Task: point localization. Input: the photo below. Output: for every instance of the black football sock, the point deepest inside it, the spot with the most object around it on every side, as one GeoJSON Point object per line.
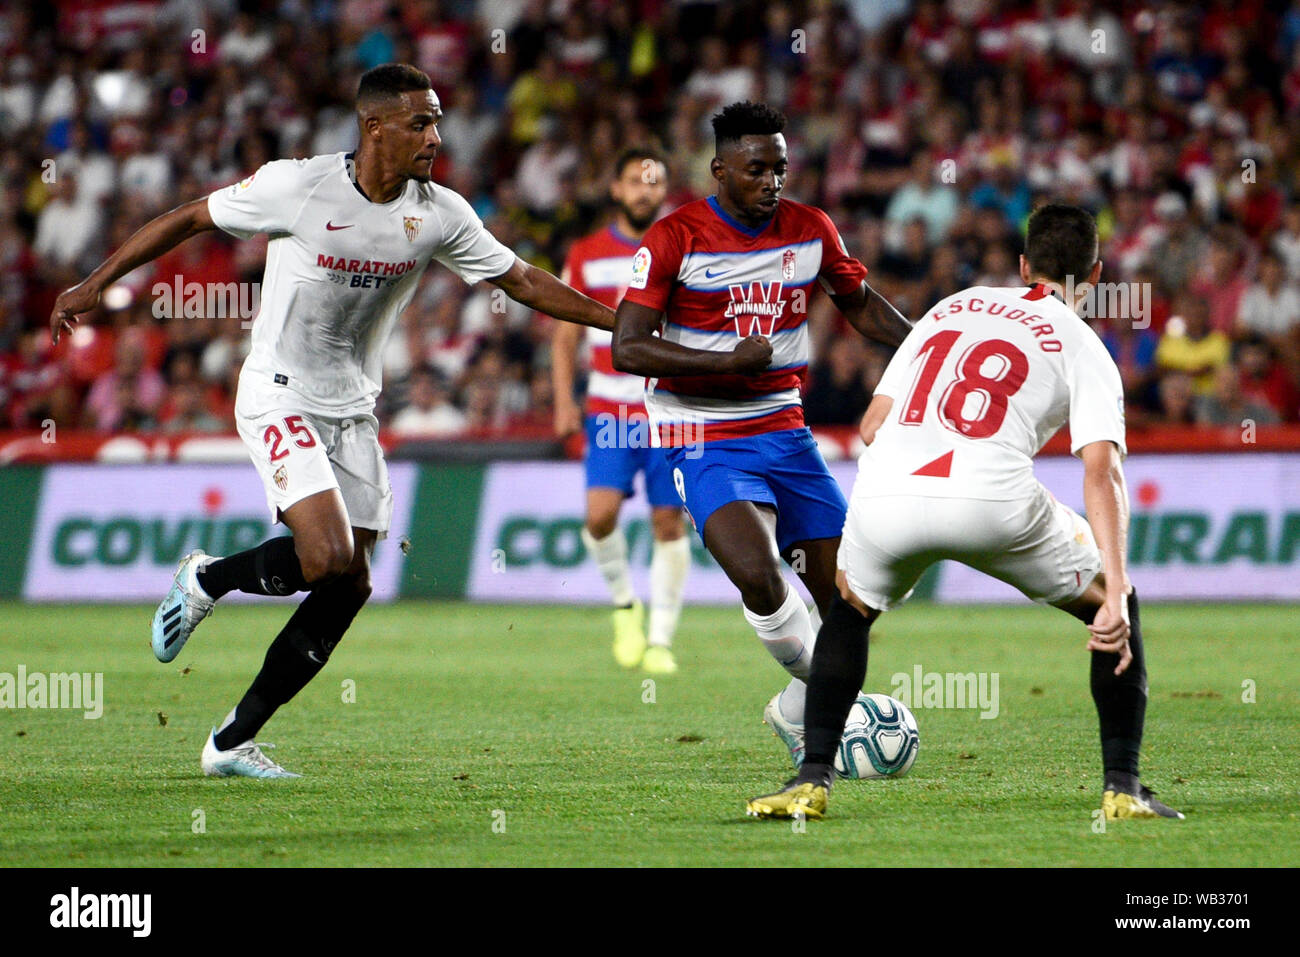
{"type": "Point", "coordinates": [271, 568]}
{"type": "Point", "coordinates": [1121, 700]}
{"type": "Point", "coordinates": [296, 656]}
{"type": "Point", "coordinates": [839, 667]}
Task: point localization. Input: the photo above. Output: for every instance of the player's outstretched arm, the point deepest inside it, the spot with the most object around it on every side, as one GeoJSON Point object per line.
{"type": "Point", "coordinates": [871, 314]}
{"type": "Point", "coordinates": [1105, 496]}
{"type": "Point", "coordinates": [148, 243]}
{"type": "Point", "coordinates": [637, 350]}
{"type": "Point", "coordinates": [564, 352]}
{"type": "Point", "coordinates": [539, 290]}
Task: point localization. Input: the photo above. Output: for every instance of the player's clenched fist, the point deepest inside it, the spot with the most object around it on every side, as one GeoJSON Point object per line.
{"type": "Point", "coordinates": [751, 355]}
{"type": "Point", "coordinates": [70, 304]}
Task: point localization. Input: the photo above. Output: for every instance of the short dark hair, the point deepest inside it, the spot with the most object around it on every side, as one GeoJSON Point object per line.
{"type": "Point", "coordinates": [1061, 243]}
{"type": "Point", "coordinates": [637, 154]}
{"type": "Point", "coordinates": [745, 119]}
{"type": "Point", "coordinates": [391, 79]}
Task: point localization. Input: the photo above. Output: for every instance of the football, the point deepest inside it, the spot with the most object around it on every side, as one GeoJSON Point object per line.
{"type": "Point", "coordinates": [880, 739]}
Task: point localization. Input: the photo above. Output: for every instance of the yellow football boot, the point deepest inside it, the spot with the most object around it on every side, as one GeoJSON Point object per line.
{"type": "Point", "coordinates": [659, 660]}
{"type": "Point", "coordinates": [1123, 797]}
{"type": "Point", "coordinates": [807, 800]}
{"type": "Point", "coordinates": [629, 634]}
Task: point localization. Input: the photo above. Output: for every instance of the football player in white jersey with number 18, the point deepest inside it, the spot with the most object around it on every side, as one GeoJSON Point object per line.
{"type": "Point", "coordinates": [984, 379]}
{"type": "Point", "coordinates": [350, 236]}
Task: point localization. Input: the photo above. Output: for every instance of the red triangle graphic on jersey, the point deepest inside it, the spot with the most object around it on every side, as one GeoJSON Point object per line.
{"type": "Point", "coordinates": [939, 468]}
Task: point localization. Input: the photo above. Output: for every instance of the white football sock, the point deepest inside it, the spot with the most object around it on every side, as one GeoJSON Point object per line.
{"type": "Point", "coordinates": [787, 634]}
{"type": "Point", "coordinates": [792, 699]}
{"type": "Point", "coordinates": [669, 562]}
{"type": "Point", "coordinates": [610, 554]}
{"type": "Point", "coordinates": [227, 723]}
{"type": "Point", "coordinates": [795, 694]}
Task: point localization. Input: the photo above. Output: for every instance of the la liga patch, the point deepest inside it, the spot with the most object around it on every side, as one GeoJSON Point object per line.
{"type": "Point", "coordinates": [640, 268]}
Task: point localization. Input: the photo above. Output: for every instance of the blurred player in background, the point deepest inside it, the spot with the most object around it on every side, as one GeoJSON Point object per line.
{"type": "Point", "coordinates": [984, 380]}
{"type": "Point", "coordinates": [715, 317]}
{"type": "Point", "coordinates": [618, 433]}
{"type": "Point", "coordinates": [350, 236]}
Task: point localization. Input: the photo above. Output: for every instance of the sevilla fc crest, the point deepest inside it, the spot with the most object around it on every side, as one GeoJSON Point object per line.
{"type": "Point", "coordinates": [787, 264]}
{"type": "Point", "coordinates": [412, 226]}
{"type": "Point", "coordinates": [281, 478]}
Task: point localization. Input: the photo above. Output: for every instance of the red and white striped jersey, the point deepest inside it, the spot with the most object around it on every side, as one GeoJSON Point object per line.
{"type": "Point", "coordinates": [599, 266]}
{"type": "Point", "coordinates": [718, 281]}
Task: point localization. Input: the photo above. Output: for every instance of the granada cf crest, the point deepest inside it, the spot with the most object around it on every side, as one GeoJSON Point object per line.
{"type": "Point", "coordinates": [281, 478]}
{"type": "Point", "coordinates": [412, 226]}
{"type": "Point", "coordinates": [787, 264]}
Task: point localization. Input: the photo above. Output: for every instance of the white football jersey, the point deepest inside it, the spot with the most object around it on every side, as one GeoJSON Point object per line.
{"type": "Point", "coordinates": [982, 381]}
{"type": "Point", "coordinates": [340, 270]}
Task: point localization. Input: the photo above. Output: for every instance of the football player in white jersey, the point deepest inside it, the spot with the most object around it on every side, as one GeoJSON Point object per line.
{"type": "Point", "coordinates": [350, 236]}
{"type": "Point", "coordinates": [984, 379]}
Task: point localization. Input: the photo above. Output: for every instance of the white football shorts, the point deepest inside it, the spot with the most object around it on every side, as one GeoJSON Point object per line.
{"type": "Point", "coordinates": [298, 454]}
{"type": "Point", "coordinates": [1037, 544]}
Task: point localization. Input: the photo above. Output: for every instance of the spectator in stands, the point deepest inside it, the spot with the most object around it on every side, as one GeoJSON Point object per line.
{"type": "Point", "coordinates": [1177, 400]}
{"type": "Point", "coordinates": [715, 83]}
{"type": "Point", "coordinates": [95, 170]}
{"type": "Point", "coordinates": [68, 224]}
{"type": "Point", "coordinates": [1134, 351]}
{"type": "Point", "coordinates": [186, 410]}
{"type": "Point", "coordinates": [1264, 379]}
{"type": "Point", "coordinates": [536, 93]}
{"type": "Point", "coordinates": [1286, 241]}
{"type": "Point", "coordinates": [909, 259]}
{"type": "Point", "coordinates": [1190, 346]}
{"type": "Point", "coordinates": [836, 395]}
{"type": "Point", "coordinates": [127, 396]}
{"type": "Point", "coordinates": [1182, 250]}
{"type": "Point", "coordinates": [429, 412]}
{"type": "Point", "coordinates": [544, 166]}
{"type": "Point", "coordinates": [468, 130]}
{"type": "Point", "coordinates": [1271, 306]}
{"type": "Point", "coordinates": [1227, 405]}
{"type": "Point", "coordinates": [924, 198]}
{"type": "Point", "coordinates": [35, 384]}
{"type": "Point", "coordinates": [1220, 281]}
{"type": "Point", "coordinates": [244, 44]}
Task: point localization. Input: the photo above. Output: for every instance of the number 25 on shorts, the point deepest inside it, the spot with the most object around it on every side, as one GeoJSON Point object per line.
{"type": "Point", "coordinates": [303, 437]}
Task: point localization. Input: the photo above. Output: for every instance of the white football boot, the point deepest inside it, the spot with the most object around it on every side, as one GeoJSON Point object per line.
{"type": "Point", "coordinates": [791, 735]}
{"type": "Point", "coordinates": [243, 761]}
{"type": "Point", "coordinates": [185, 606]}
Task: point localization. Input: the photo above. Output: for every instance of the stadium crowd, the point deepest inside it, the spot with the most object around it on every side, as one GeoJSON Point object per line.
{"type": "Point", "coordinates": [927, 129]}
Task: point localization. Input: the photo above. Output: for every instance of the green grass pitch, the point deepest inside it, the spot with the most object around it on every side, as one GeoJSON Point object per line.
{"type": "Point", "coordinates": [507, 736]}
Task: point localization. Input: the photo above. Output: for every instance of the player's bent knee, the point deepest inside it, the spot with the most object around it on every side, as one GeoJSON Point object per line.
{"type": "Point", "coordinates": [326, 561]}
{"type": "Point", "coordinates": [850, 596]}
{"type": "Point", "coordinates": [761, 586]}
{"type": "Point", "coordinates": [602, 525]}
{"type": "Point", "coordinates": [667, 524]}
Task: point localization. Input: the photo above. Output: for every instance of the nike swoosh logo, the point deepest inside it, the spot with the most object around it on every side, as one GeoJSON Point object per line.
{"type": "Point", "coordinates": [710, 274]}
{"type": "Point", "coordinates": [312, 656]}
{"type": "Point", "coordinates": [331, 226]}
